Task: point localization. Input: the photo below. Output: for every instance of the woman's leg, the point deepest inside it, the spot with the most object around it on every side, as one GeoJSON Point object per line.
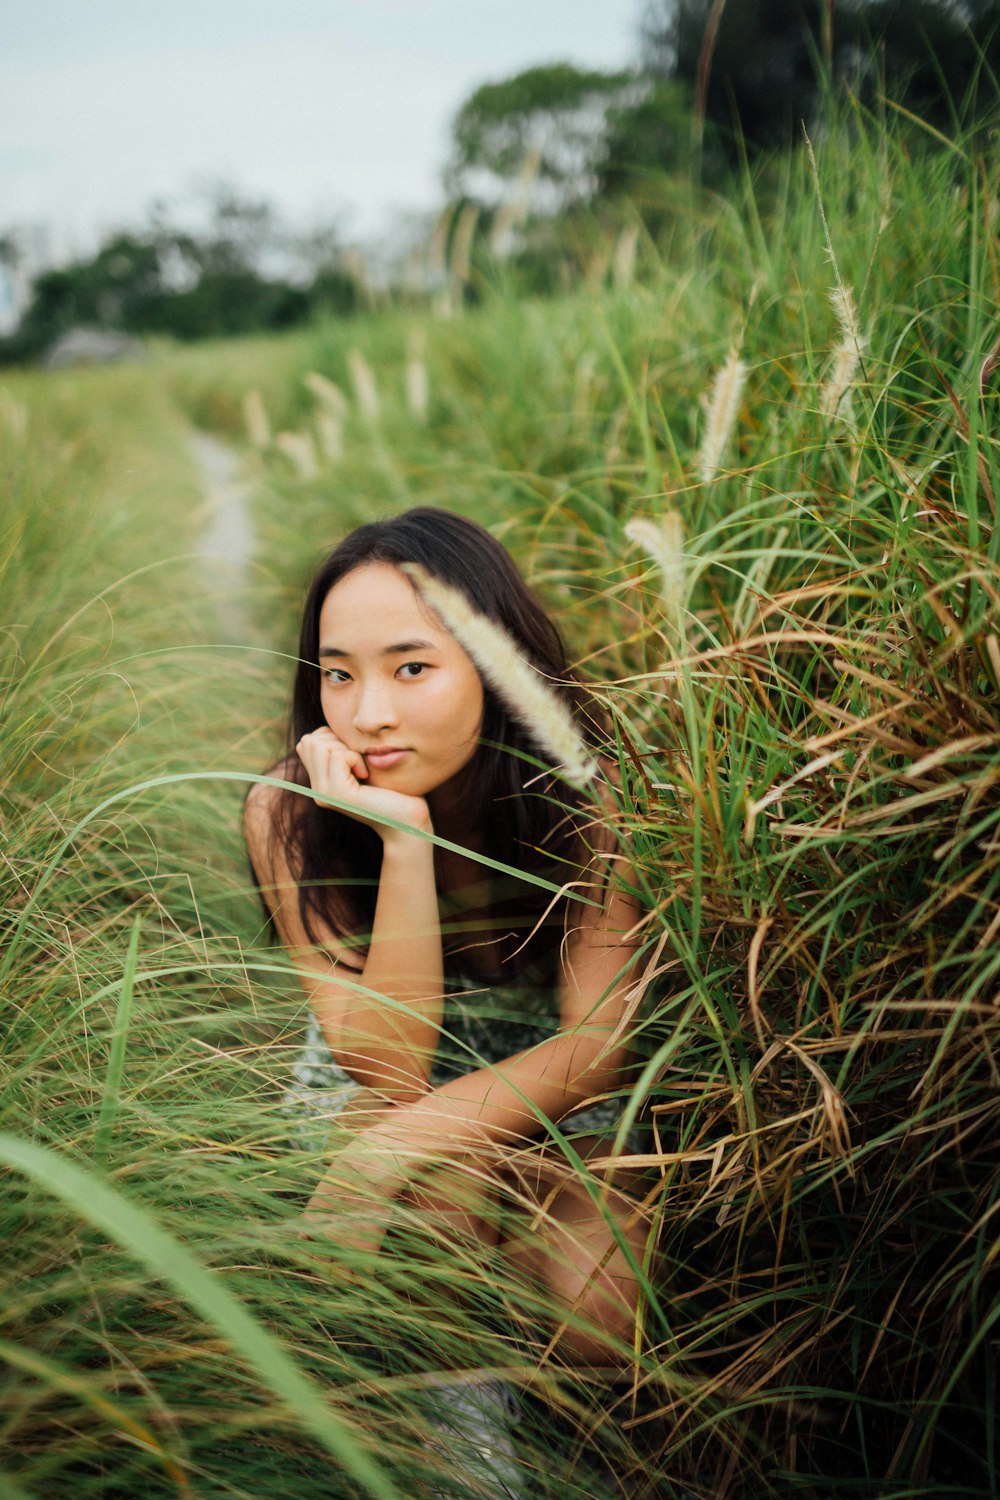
{"type": "Point", "coordinates": [571, 1255]}
{"type": "Point", "coordinates": [457, 1205]}
{"type": "Point", "coordinates": [568, 1249]}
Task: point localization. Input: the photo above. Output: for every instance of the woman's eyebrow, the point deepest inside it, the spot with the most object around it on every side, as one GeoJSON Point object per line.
{"type": "Point", "coordinates": [401, 650]}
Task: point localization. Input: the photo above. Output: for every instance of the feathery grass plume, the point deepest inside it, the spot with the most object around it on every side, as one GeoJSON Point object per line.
{"type": "Point", "coordinates": [502, 230]}
{"type": "Point", "coordinates": [513, 212]}
{"type": "Point", "coordinates": [623, 259]}
{"type": "Point", "coordinates": [437, 247]}
{"type": "Point", "coordinates": [520, 686]}
{"type": "Point", "coordinates": [835, 395]}
{"type": "Point", "coordinates": [663, 541]}
{"type": "Point", "coordinates": [417, 385]}
{"type": "Point", "coordinates": [596, 269]}
{"type": "Point", "coordinates": [13, 416]}
{"type": "Point", "coordinates": [327, 394]}
{"type": "Point", "coordinates": [300, 450]}
{"type": "Point", "coordinates": [256, 421]}
{"type": "Point", "coordinates": [461, 243]}
{"type": "Point", "coordinates": [330, 431]}
{"type": "Point", "coordinates": [723, 407]}
{"type": "Point", "coordinates": [583, 384]}
{"type": "Point", "coordinates": [365, 389]}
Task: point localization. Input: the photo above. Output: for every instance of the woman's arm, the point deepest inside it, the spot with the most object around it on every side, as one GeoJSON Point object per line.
{"type": "Point", "coordinates": [489, 1110]}
{"type": "Point", "coordinates": [381, 1021]}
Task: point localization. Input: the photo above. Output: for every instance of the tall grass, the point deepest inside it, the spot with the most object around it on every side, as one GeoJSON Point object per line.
{"type": "Point", "coordinates": [810, 793]}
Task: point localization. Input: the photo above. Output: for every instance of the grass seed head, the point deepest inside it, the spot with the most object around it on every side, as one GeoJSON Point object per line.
{"type": "Point", "coordinates": [846, 355]}
{"type": "Point", "coordinates": [330, 432]}
{"type": "Point", "coordinates": [513, 212]}
{"type": "Point", "coordinates": [417, 384]}
{"type": "Point", "coordinates": [437, 247]}
{"type": "Point", "coordinates": [255, 420]}
{"type": "Point", "coordinates": [723, 408]}
{"type": "Point", "coordinates": [623, 260]}
{"type": "Point", "coordinates": [329, 395]}
{"type": "Point", "coordinates": [663, 541]}
{"type": "Point", "coordinates": [365, 389]}
{"type": "Point", "coordinates": [300, 450]}
{"type": "Point", "coordinates": [461, 243]}
{"type": "Point", "coordinates": [520, 687]}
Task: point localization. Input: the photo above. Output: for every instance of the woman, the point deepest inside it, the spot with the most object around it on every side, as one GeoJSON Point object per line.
{"type": "Point", "coordinates": [429, 969]}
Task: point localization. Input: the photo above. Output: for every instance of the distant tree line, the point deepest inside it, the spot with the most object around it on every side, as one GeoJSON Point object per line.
{"type": "Point", "coordinates": [231, 276]}
{"type": "Point", "coordinates": [715, 81]}
{"type": "Point", "coordinates": [760, 68]}
{"type": "Point", "coordinates": [741, 75]}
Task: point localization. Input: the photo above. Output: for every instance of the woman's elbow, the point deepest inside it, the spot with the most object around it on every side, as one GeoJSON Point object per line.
{"type": "Point", "coordinates": [394, 1082]}
{"type": "Point", "coordinates": [601, 1067]}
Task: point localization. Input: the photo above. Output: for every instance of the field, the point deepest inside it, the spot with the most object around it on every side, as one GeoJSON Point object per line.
{"type": "Point", "coordinates": [799, 652]}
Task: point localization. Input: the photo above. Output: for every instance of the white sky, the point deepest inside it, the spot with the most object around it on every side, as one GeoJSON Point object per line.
{"type": "Point", "coordinates": [320, 106]}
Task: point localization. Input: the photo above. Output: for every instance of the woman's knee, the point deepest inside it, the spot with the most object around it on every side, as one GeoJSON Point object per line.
{"type": "Point", "coordinates": [456, 1207]}
{"type": "Point", "coordinates": [585, 1288]}
{"type": "Point", "coordinates": [595, 1312]}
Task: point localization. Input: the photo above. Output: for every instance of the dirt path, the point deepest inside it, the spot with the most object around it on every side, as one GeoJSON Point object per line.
{"type": "Point", "coordinates": [227, 545]}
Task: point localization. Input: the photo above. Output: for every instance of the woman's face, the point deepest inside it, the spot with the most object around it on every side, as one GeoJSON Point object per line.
{"type": "Point", "coordinates": [395, 685]}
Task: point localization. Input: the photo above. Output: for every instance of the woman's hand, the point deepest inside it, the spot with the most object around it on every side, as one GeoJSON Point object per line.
{"type": "Point", "coordinates": [335, 771]}
{"type": "Point", "coordinates": [355, 1217]}
{"type": "Point", "coordinates": [353, 1203]}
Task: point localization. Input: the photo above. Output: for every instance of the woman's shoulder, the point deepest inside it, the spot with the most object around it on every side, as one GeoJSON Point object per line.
{"type": "Point", "coordinates": [262, 808]}
{"type": "Point", "coordinates": [599, 825]}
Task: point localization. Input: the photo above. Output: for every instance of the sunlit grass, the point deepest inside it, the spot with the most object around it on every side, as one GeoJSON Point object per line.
{"type": "Point", "coordinates": [808, 732]}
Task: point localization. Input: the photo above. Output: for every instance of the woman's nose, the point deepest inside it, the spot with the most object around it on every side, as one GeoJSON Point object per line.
{"type": "Point", "coordinates": [375, 709]}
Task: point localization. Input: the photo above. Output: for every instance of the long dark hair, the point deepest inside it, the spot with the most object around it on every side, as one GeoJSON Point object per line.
{"type": "Point", "coordinates": [336, 859]}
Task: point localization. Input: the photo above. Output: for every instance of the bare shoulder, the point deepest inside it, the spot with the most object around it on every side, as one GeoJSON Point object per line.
{"type": "Point", "coordinates": [604, 835]}
{"type": "Point", "coordinates": [277, 880]}
{"type": "Point", "coordinates": [269, 859]}
{"type": "Point", "coordinates": [261, 811]}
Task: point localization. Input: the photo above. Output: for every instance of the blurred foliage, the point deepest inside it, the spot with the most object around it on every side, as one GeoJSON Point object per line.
{"type": "Point", "coordinates": [546, 167]}
{"type": "Point", "coordinates": [555, 116]}
{"type": "Point", "coordinates": [759, 69]}
{"type": "Point", "coordinates": [213, 281]}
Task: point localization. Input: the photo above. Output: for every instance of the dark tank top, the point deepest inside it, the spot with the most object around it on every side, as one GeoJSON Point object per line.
{"type": "Point", "coordinates": [486, 1020]}
{"type": "Point", "coordinates": [483, 1022]}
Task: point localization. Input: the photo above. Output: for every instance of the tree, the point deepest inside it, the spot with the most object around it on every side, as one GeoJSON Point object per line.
{"type": "Point", "coordinates": [758, 66]}
{"type": "Point", "coordinates": [554, 116]}
{"type": "Point", "coordinates": [235, 272]}
{"type": "Point", "coordinates": [939, 57]}
{"type": "Point", "coordinates": [238, 236]}
{"type": "Point", "coordinates": [645, 138]}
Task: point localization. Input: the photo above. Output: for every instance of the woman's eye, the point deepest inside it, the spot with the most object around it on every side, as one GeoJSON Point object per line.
{"type": "Point", "coordinates": [413, 669]}
{"type": "Point", "coordinates": [335, 675]}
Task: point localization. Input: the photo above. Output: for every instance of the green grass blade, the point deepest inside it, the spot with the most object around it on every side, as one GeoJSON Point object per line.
{"type": "Point", "coordinates": [116, 1052]}
{"type": "Point", "coordinates": [164, 1256]}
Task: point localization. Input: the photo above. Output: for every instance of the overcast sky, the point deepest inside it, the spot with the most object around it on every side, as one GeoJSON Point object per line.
{"type": "Point", "coordinates": [320, 106]}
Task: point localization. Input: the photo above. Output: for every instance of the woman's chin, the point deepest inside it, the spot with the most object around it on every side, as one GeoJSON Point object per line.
{"type": "Point", "coordinates": [401, 779]}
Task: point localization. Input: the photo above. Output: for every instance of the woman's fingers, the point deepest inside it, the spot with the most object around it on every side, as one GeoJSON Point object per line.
{"type": "Point", "coordinates": [331, 768]}
{"type": "Point", "coordinates": [326, 757]}
{"type": "Point", "coordinates": [325, 741]}
{"type": "Point", "coordinates": [341, 776]}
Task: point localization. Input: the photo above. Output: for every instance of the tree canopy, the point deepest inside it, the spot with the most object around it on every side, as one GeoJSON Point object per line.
{"type": "Point", "coordinates": [553, 117]}
{"type": "Point", "coordinates": [237, 272]}
{"type": "Point", "coordinates": [760, 66]}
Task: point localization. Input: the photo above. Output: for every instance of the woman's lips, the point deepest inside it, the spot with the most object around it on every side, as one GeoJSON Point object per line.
{"type": "Point", "coordinates": [381, 760]}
